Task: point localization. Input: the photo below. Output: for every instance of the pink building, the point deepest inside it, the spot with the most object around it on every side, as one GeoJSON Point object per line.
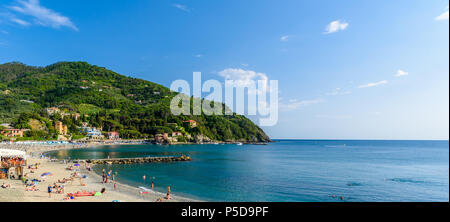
{"type": "Point", "coordinates": [113, 136]}
{"type": "Point", "coordinates": [12, 132]}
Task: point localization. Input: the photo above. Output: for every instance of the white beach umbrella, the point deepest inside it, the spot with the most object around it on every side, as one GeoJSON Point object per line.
{"type": "Point", "coordinates": [13, 153]}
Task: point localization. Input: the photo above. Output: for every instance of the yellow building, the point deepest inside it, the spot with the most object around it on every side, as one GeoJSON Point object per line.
{"type": "Point", "coordinates": [61, 128]}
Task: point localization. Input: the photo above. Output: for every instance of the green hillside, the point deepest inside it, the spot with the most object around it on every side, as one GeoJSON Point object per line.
{"type": "Point", "coordinates": [136, 108]}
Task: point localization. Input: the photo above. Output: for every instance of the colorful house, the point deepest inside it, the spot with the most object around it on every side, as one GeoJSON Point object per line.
{"type": "Point", "coordinates": [12, 132]}
{"type": "Point", "coordinates": [52, 111]}
{"type": "Point", "coordinates": [61, 128]}
{"type": "Point", "coordinates": [91, 132]}
{"type": "Point", "coordinates": [113, 136]}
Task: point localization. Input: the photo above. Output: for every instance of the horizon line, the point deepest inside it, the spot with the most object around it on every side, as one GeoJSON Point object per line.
{"type": "Point", "coordinates": [367, 139]}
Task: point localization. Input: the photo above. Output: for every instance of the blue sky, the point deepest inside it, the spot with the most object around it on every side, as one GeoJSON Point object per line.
{"type": "Point", "coordinates": [346, 69]}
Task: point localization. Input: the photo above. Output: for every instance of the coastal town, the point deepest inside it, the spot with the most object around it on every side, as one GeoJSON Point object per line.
{"type": "Point", "coordinates": [86, 132]}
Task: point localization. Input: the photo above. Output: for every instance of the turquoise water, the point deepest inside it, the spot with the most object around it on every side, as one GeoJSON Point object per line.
{"type": "Point", "coordinates": [294, 171]}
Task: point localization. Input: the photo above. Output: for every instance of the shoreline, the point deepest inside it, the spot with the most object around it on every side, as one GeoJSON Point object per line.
{"type": "Point", "coordinates": [134, 191]}
{"type": "Point", "coordinates": [91, 143]}
{"type": "Point", "coordinates": [123, 193]}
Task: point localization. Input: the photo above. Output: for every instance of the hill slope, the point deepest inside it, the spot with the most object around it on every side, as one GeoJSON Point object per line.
{"type": "Point", "coordinates": [134, 107]}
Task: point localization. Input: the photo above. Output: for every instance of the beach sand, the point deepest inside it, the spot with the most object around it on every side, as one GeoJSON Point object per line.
{"type": "Point", "coordinates": [123, 193]}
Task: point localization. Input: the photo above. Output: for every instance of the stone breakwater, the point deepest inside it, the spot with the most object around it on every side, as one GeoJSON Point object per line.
{"type": "Point", "coordinates": [142, 160]}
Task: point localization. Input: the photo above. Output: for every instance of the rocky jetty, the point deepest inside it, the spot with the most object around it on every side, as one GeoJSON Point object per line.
{"type": "Point", "coordinates": [142, 160]}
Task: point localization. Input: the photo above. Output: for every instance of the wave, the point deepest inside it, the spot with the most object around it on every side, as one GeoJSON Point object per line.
{"type": "Point", "coordinates": [145, 189]}
{"type": "Point", "coordinates": [336, 146]}
{"type": "Point", "coordinates": [406, 180]}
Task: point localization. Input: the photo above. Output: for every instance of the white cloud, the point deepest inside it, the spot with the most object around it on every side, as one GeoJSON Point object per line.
{"type": "Point", "coordinates": [401, 73]}
{"type": "Point", "coordinates": [285, 38]}
{"type": "Point", "coordinates": [338, 92]}
{"type": "Point", "coordinates": [198, 56]}
{"type": "Point", "coordinates": [443, 16]}
{"type": "Point", "coordinates": [20, 22]}
{"type": "Point", "coordinates": [41, 15]}
{"type": "Point", "coordinates": [295, 104]}
{"type": "Point", "coordinates": [373, 84]}
{"type": "Point", "coordinates": [244, 78]}
{"type": "Point", "coordinates": [181, 7]}
{"type": "Point", "coordinates": [336, 26]}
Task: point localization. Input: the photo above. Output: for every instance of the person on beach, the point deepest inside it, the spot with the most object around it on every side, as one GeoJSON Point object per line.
{"type": "Point", "coordinates": [108, 176]}
{"type": "Point", "coordinates": [168, 193]}
{"type": "Point", "coordinates": [153, 185]}
{"type": "Point", "coordinates": [49, 190]}
{"type": "Point", "coordinates": [103, 176]}
{"type": "Point", "coordinates": [115, 186]}
{"type": "Point", "coordinates": [33, 188]}
{"type": "Point", "coordinates": [5, 186]}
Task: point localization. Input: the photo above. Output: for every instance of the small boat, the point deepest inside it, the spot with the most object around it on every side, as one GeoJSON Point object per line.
{"type": "Point", "coordinates": [239, 144]}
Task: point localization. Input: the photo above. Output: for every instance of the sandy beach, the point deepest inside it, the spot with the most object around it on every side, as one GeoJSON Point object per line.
{"type": "Point", "coordinates": [93, 183]}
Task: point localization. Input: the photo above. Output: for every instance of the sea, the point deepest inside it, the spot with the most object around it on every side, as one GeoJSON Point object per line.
{"type": "Point", "coordinates": [288, 170]}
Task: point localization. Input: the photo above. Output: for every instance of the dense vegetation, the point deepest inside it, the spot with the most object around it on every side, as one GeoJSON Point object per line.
{"type": "Point", "coordinates": [135, 108]}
